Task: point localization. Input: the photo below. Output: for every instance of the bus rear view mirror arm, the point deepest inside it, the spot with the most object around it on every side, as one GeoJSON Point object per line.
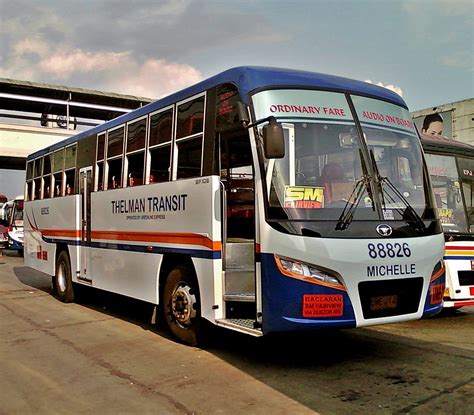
{"type": "Point", "coordinates": [273, 137]}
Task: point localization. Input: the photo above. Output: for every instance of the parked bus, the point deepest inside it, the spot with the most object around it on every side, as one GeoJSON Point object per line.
{"type": "Point", "coordinates": [3, 207]}
{"type": "Point", "coordinates": [3, 223]}
{"type": "Point", "coordinates": [451, 167]}
{"type": "Point", "coordinates": [261, 200]}
{"type": "Point", "coordinates": [13, 213]}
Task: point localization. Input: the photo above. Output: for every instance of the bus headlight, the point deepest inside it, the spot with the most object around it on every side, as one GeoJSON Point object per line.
{"type": "Point", "coordinates": [309, 272]}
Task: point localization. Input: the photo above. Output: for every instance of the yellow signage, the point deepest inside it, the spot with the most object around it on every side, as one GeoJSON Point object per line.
{"type": "Point", "coordinates": [304, 197]}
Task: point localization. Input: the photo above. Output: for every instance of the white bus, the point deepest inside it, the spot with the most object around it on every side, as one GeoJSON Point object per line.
{"type": "Point", "coordinates": [261, 200]}
{"type": "Point", "coordinates": [451, 167]}
{"type": "Point", "coordinates": [14, 221]}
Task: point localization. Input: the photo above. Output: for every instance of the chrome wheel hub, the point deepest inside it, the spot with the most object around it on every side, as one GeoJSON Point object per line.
{"type": "Point", "coordinates": [182, 305]}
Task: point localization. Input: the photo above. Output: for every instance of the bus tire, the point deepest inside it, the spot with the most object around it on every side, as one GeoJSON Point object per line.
{"type": "Point", "coordinates": [181, 305]}
{"type": "Point", "coordinates": [63, 278]}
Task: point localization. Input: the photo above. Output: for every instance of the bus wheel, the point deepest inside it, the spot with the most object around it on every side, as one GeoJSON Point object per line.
{"type": "Point", "coordinates": [64, 287]}
{"type": "Point", "coordinates": [181, 305]}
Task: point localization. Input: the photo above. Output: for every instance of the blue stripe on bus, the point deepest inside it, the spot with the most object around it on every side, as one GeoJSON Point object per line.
{"type": "Point", "coordinates": [195, 253]}
{"type": "Point", "coordinates": [470, 257]}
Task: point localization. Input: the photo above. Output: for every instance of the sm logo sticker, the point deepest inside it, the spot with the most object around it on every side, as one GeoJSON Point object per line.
{"type": "Point", "coordinates": [304, 197]}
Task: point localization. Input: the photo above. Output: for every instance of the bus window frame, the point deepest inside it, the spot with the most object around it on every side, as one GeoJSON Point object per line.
{"type": "Point", "coordinates": [38, 178]}
{"type": "Point", "coordinates": [114, 157]}
{"type": "Point", "coordinates": [169, 143]}
{"type": "Point", "coordinates": [97, 161]}
{"type": "Point", "coordinates": [135, 152]}
{"type": "Point", "coordinates": [177, 141]}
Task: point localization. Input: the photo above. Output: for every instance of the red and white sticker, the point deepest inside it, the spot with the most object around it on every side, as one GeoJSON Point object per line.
{"type": "Point", "coordinates": [323, 305]}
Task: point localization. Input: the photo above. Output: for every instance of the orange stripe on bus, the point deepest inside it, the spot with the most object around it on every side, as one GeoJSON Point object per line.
{"type": "Point", "coordinates": [171, 238]}
{"type": "Point", "coordinates": [61, 232]}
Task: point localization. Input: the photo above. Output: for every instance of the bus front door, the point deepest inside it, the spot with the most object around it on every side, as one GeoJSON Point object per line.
{"type": "Point", "coordinates": [85, 187]}
{"type": "Point", "coordinates": [237, 178]}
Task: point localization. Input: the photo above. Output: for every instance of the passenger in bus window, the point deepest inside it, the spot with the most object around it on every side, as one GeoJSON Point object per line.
{"type": "Point", "coordinates": [135, 179]}
{"type": "Point", "coordinates": [433, 125]}
{"type": "Point", "coordinates": [58, 190]}
{"type": "Point", "coordinates": [69, 190]}
{"type": "Point", "coordinates": [114, 183]}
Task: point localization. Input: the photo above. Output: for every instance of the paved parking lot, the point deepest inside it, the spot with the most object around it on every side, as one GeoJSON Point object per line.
{"type": "Point", "coordinates": [102, 355]}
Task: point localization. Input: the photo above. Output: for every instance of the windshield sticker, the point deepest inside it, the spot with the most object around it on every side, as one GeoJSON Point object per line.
{"type": "Point", "coordinates": [304, 197]}
{"type": "Point", "coordinates": [319, 105]}
{"type": "Point", "coordinates": [375, 112]}
{"type": "Point", "coordinates": [388, 214]}
{"type": "Point", "coordinates": [445, 215]}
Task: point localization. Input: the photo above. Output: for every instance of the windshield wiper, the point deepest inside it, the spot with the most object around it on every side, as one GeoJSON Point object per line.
{"type": "Point", "coordinates": [409, 212]}
{"type": "Point", "coordinates": [347, 214]}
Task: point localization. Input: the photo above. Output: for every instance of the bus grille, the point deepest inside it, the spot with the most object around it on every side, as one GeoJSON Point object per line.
{"type": "Point", "coordinates": [466, 277]}
{"type": "Point", "coordinates": [391, 297]}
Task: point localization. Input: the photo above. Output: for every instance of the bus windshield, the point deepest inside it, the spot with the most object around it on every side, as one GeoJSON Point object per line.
{"type": "Point", "coordinates": [449, 189]}
{"type": "Point", "coordinates": [324, 169]}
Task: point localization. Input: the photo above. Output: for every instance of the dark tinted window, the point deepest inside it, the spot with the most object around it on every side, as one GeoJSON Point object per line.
{"type": "Point", "coordinates": [100, 176]}
{"type": "Point", "coordinates": [100, 146]}
{"type": "Point", "coordinates": [136, 164]}
{"type": "Point", "coordinates": [190, 118]}
{"type": "Point", "coordinates": [115, 147]}
{"type": "Point", "coordinates": [189, 158]}
{"type": "Point", "coordinates": [227, 115]}
{"type": "Point", "coordinates": [58, 184]}
{"type": "Point", "coordinates": [115, 174]}
{"type": "Point", "coordinates": [160, 163]}
{"type": "Point", "coordinates": [70, 182]}
{"type": "Point", "coordinates": [37, 185]}
{"type": "Point", "coordinates": [136, 135]}
{"type": "Point", "coordinates": [47, 164]}
{"type": "Point", "coordinates": [161, 127]}
{"type": "Point", "coordinates": [47, 187]}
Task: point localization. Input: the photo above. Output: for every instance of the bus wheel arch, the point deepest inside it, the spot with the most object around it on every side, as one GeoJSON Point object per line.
{"type": "Point", "coordinates": [180, 298]}
{"type": "Point", "coordinates": [62, 279]}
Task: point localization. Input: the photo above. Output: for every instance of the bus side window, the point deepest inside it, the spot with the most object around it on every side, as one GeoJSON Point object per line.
{"type": "Point", "coordinates": [115, 174]}
{"type": "Point", "coordinates": [70, 180]}
{"type": "Point", "coordinates": [160, 163]}
{"type": "Point", "coordinates": [136, 163]}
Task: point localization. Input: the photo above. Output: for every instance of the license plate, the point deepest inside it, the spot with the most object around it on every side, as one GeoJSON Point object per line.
{"type": "Point", "coordinates": [383, 302]}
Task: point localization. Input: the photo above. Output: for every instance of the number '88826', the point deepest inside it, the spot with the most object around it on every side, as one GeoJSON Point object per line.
{"type": "Point", "coordinates": [389, 250]}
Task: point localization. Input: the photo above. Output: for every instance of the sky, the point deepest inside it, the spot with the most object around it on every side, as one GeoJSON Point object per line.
{"type": "Point", "coordinates": [422, 49]}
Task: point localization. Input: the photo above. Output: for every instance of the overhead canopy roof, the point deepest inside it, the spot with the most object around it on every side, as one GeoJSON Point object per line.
{"type": "Point", "coordinates": [42, 98]}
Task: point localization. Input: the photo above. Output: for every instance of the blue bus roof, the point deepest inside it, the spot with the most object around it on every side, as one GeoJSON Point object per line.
{"type": "Point", "coordinates": [248, 79]}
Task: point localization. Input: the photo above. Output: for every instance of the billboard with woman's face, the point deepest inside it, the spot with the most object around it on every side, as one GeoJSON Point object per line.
{"type": "Point", "coordinates": [438, 124]}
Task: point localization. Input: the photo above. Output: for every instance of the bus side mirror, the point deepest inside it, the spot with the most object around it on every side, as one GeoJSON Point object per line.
{"type": "Point", "coordinates": [273, 140]}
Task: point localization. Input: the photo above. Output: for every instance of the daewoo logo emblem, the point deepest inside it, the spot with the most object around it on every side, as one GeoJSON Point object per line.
{"type": "Point", "coordinates": [384, 229]}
